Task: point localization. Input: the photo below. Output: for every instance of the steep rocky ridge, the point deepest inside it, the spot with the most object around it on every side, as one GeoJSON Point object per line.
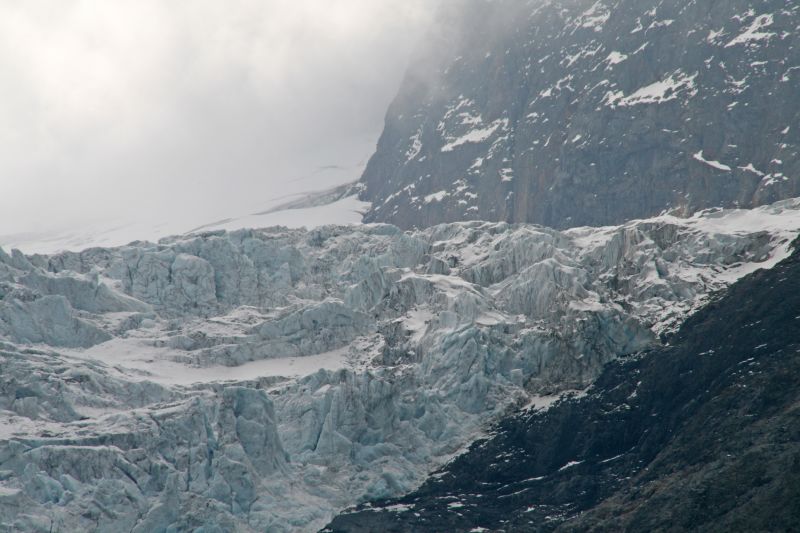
{"type": "Point", "coordinates": [591, 112]}
{"type": "Point", "coordinates": [266, 379]}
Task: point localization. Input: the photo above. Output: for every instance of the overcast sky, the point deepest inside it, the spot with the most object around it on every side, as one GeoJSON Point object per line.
{"type": "Point", "coordinates": [139, 108]}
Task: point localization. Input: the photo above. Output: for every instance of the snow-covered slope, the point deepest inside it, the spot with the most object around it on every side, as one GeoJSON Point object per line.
{"type": "Point", "coordinates": [264, 379]}
{"type": "Point", "coordinates": [302, 213]}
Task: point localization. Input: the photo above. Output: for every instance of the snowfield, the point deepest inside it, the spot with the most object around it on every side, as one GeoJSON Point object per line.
{"type": "Point", "coordinates": [258, 380]}
{"type": "Point", "coordinates": [344, 211]}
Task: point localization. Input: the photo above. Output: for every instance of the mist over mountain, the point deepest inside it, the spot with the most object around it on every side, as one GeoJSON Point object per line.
{"type": "Point", "coordinates": [563, 296]}
{"type": "Point", "coordinates": [173, 114]}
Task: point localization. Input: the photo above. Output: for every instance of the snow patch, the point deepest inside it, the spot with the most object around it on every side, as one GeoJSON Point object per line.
{"type": "Point", "coordinates": [475, 136]}
{"type": "Point", "coordinates": [753, 170]}
{"type": "Point", "coordinates": [656, 93]}
{"type": "Point", "coordinates": [415, 148]}
{"type": "Point", "coordinates": [436, 197]}
{"type": "Point", "coordinates": [753, 33]}
{"type": "Point", "coordinates": [595, 17]}
{"type": "Point", "coordinates": [615, 58]}
{"type": "Point", "coordinates": [569, 465]}
{"type": "Point", "coordinates": [714, 164]}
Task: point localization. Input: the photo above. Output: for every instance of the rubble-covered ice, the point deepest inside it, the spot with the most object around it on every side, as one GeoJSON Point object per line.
{"type": "Point", "coordinates": [262, 380]}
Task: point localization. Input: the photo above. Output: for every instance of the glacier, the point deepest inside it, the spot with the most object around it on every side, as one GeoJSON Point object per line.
{"type": "Point", "coordinates": [264, 380]}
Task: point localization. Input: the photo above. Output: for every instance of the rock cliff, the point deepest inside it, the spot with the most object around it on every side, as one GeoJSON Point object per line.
{"type": "Point", "coordinates": [592, 112]}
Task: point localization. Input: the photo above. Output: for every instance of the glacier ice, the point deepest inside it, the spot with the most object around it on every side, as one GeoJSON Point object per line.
{"type": "Point", "coordinates": [261, 380]}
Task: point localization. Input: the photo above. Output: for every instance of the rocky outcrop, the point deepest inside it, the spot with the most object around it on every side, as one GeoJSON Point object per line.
{"type": "Point", "coordinates": [585, 112]}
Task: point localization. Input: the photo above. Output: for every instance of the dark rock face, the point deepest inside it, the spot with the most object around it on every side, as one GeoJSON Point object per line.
{"type": "Point", "coordinates": [584, 112]}
{"type": "Point", "coordinates": [702, 434]}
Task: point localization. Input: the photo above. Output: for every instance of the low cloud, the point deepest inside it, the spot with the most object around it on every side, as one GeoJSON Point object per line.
{"type": "Point", "coordinates": [144, 108]}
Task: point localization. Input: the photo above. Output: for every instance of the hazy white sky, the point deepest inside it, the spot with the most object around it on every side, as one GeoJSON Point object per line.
{"type": "Point", "coordinates": [138, 108]}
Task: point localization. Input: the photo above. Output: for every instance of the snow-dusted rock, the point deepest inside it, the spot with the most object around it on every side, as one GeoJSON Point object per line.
{"type": "Point", "coordinates": [591, 112]}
